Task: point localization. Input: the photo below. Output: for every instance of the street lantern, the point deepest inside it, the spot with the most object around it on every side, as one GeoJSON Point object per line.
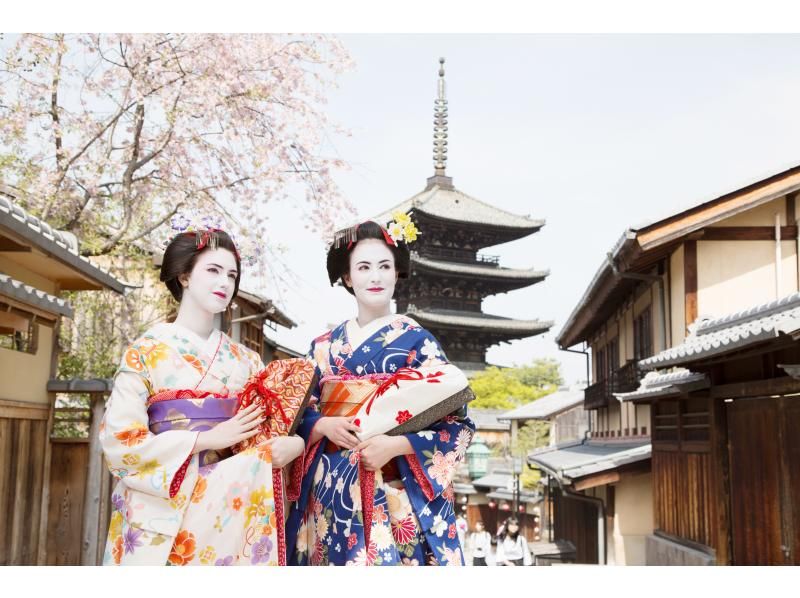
{"type": "Point", "coordinates": [478, 458]}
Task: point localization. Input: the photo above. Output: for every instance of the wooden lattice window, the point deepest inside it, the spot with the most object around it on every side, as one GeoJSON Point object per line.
{"type": "Point", "coordinates": [682, 423]}
{"type": "Point", "coordinates": [19, 330]}
{"type": "Point", "coordinates": [643, 335]}
{"type": "Point", "coordinates": [252, 336]}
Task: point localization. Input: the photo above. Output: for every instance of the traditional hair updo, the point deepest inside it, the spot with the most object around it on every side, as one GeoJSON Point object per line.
{"type": "Point", "coordinates": [340, 250]}
{"type": "Point", "coordinates": [182, 253]}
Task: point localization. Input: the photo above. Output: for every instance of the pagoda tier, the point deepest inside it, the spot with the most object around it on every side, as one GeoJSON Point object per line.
{"type": "Point", "coordinates": [439, 284]}
{"type": "Point", "coordinates": [455, 221]}
{"type": "Point", "coordinates": [466, 335]}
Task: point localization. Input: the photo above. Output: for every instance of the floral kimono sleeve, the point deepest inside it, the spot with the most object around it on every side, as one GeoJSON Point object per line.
{"type": "Point", "coordinates": [437, 451]}
{"type": "Point", "coordinates": [149, 463]}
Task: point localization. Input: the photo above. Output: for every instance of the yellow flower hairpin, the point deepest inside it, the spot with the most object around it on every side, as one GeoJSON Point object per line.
{"type": "Point", "coordinates": [402, 228]}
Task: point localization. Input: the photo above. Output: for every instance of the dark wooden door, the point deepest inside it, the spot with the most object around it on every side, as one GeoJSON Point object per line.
{"type": "Point", "coordinates": [791, 461]}
{"type": "Point", "coordinates": [576, 521]}
{"type": "Point", "coordinates": [763, 457]}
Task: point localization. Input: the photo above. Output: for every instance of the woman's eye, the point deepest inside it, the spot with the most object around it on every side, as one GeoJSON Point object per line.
{"type": "Point", "coordinates": [214, 270]}
{"type": "Point", "coordinates": [232, 276]}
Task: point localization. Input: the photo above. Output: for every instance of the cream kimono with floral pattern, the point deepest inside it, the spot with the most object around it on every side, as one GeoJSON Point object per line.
{"type": "Point", "coordinates": [167, 508]}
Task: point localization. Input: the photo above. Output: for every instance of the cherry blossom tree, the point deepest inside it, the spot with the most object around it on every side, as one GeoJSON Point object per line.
{"type": "Point", "coordinates": [111, 136]}
{"type": "Point", "coordinates": [108, 136]}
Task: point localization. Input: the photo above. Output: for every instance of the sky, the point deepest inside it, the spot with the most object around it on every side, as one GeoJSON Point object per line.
{"type": "Point", "coordinates": [593, 133]}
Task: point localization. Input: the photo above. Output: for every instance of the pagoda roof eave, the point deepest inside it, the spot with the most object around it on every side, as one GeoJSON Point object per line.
{"type": "Point", "coordinates": [512, 275]}
{"type": "Point", "coordinates": [480, 322]}
{"type": "Point", "coordinates": [456, 206]}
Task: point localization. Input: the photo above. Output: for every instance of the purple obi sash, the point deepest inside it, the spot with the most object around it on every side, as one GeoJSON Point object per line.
{"type": "Point", "coordinates": [196, 415]}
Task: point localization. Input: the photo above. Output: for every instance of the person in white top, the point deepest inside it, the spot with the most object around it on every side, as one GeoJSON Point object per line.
{"type": "Point", "coordinates": [481, 544]}
{"type": "Point", "coordinates": [512, 547]}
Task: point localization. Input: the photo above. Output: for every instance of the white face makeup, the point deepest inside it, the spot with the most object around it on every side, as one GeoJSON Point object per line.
{"type": "Point", "coordinates": [372, 274]}
{"type": "Point", "coordinates": [212, 281]}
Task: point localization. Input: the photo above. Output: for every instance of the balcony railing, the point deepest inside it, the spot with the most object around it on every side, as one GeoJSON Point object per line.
{"type": "Point", "coordinates": [625, 379]}
{"type": "Point", "coordinates": [596, 396]}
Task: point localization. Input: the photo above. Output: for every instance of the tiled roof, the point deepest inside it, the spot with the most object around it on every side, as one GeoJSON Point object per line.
{"type": "Point", "coordinates": [548, 406]}
{"type": "Point", "coordinates": [275, 314]}
{"type": "Point", "coordinates": [662, 385]}
{"type": "Point", "coordinates": [452, 204]}
{"type": "Point", "coordinates": [60, 244]}
{"type": "Point", "coordinates": [576, 460]}
{"type": "Point", "coordinates": [478, 321]}
{"type": "Point", "coordinates": [487, 419]}
{"type": "Point", "coordinates": [483, 271]}
{"type": "Point", "coordinates": [32, 296]}
{"type": "Point", "coordinates": [710, 337]}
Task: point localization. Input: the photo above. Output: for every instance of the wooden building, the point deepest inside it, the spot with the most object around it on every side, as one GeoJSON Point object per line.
{"type": "Point", "coordinates": [450, 277]}
{"type": "Point", "coordinates": [42, 513]}
{"type": "Point", "coordinates": [652, 296]}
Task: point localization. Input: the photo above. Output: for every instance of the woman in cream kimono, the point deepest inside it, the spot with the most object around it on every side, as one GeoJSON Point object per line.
{"type": "Point", "coordinates": [182, 498]}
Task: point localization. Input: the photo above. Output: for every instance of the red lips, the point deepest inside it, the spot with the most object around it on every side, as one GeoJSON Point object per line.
{"type": "Point", "coordinates": [376, 289]}
{"type": "Point", "coordinates": [220, 295]}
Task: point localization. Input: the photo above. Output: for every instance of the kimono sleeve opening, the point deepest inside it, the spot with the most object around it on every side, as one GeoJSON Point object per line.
{"type": "Point", "coordinates": [150, 463]}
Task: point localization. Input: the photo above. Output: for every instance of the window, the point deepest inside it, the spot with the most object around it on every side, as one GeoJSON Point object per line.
{"type": "Point", "coordinates": [683, 423]}
{"type": "Point", "coordinates": [251, 336]}
{"type": "Point", "coordinates": [643, 335]}
{"type": "Point", "coordinates": [19, 330]}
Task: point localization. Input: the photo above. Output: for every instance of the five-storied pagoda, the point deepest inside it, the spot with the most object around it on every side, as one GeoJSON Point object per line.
{"type": "Point", "coordinates": [449, 278]}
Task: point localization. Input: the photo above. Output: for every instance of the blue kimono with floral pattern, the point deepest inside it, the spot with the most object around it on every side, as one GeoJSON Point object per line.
{"type": "Point", "coordinates": [413, 521]}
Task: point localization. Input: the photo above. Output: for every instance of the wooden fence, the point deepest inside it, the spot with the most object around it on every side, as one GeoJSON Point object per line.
{"type": "Point", "coordinates": [54, 492]}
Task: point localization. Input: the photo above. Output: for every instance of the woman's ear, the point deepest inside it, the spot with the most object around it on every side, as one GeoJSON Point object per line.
{"type": "Point", "coordinates": [346, 281]}
{"type": "Point", "coordinates": [184, 280]}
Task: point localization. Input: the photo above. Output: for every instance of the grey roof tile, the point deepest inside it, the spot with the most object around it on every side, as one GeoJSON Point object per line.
{"type": "Point", "coordinates": [548, 406]}
{"type": "Point", "coordinates": [656, 384]}
{"type": "Point", "coordinates": [714, 336]}
{"type": "Point", "coordinates": [579, 459]}
{"type": "Point", "coordinates": [25, 293]}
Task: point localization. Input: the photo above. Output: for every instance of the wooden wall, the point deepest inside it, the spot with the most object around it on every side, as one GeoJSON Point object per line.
{"type": "Point", "coordinates": [23, 471]}
{"type": "Point", "coordinates": [67, 494]}
{"type": "Point", "coordinates": [684, 504]}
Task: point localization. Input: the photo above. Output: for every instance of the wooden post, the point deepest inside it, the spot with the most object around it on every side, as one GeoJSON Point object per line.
{"type": "Point", "coordinates": [19, 521]}
{"type": "Point", "coordinates": [6, 455]}
{"type": "Point", "coordinates": [93, 496]}
{"type": "Point", "coordinates": [690, 281]}
{"type": "Point", "coordinates": [41, 553]}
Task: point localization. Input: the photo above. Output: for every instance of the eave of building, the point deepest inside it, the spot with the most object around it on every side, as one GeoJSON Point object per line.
{"type": "Point", "coordinates": [548, 406]}
{"type": "Point", "coordinates": [578, 460]}
{"type": "Point", "coordinates": [714, 337]}
{"type": "Point", "coordinates": [659, 385]}
{"type": "Point", "coordinates": [479, 322]}
{"type": "Point", "coordinates": [642, 246]}
{"type": "Point", "coordinates": [509, 276]}
{"type": "Point", "coordinates": [28, 295]}
{"type": "Point", "coordinates": [32, 241]}
{"type": "Point", "coordinates": [270, 310]}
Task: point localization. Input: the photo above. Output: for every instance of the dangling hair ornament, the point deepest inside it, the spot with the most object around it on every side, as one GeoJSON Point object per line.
{"type": "Point", "coordinates": [346, 236]}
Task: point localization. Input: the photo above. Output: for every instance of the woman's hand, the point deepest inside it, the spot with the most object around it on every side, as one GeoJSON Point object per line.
{"type": "Point", "coordinates": [379, 450]}
{"type": "Point", "coordinates": [285, 449]}
{"type": "Point", "coordinates": [339, 430]}
{"type": "Point", "coordinates": [240, 427]}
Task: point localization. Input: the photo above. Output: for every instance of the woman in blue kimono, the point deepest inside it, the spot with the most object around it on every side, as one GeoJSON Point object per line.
{"type": "Point", "coordinates": [412, 516]}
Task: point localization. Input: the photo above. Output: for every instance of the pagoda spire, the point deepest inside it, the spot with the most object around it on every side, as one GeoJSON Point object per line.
{"type": "Point", "coordinates": [440, 135]}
